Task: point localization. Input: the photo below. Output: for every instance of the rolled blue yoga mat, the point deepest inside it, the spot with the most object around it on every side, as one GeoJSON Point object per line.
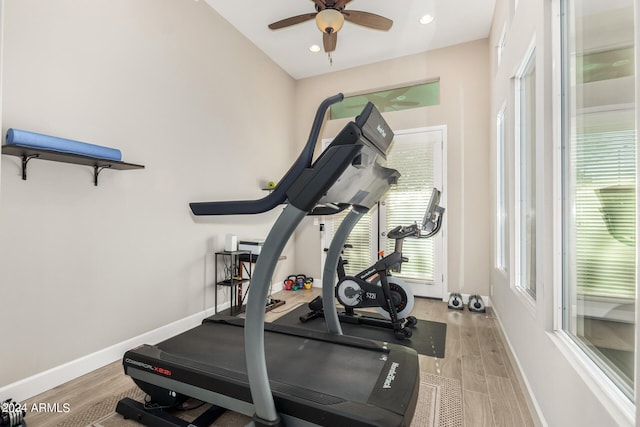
{"type": "Point", "coordinates": [36, 140]}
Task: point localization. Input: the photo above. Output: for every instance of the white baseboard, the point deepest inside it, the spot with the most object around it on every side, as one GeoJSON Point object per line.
{"type": "Point", "coordinates": [32, 386]}
{"type": "Point", "coordinates": [532, 402]}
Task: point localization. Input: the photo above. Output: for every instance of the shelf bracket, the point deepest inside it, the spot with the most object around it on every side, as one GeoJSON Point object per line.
{"type": "Point", "coordinates": [25, 160]}
{"type": "Point", "coordinates": [96, 172]}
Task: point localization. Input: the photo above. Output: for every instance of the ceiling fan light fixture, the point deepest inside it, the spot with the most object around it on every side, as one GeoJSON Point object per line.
{"type": "Point", "coordinates": [329, 21]}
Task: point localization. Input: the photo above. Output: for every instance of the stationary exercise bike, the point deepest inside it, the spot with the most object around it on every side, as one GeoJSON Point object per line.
{"type": "Point", "coordinates": [375, 287]}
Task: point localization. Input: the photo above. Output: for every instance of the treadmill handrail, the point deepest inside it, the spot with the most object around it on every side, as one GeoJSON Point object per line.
{"type": "Point", "coordinates": [303, 196]}
{"type": "Point", "coordinates": [279, 194]}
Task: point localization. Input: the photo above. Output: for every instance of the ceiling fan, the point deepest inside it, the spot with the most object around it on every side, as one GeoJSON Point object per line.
{"type": "Point", "coordinates": [330, 16]}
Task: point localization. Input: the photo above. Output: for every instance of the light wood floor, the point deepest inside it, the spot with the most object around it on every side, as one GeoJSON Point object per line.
{"type": "Point", "coordinates": [475, 354]}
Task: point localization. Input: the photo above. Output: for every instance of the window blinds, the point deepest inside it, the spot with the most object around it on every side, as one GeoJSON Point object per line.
{"type": "Point", "coordinates": [604, 213]}
{"type": "Point", "coordinates": [407, 201]}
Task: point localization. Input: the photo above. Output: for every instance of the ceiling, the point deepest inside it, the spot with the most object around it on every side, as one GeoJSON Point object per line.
{"type": "Point", "coordinates": [454, 22]}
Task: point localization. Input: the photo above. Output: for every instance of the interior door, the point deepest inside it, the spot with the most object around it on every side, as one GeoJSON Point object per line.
{"type": "Point", "coordinates": [419, 156]}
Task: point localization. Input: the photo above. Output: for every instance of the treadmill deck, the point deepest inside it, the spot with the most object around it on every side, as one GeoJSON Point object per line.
{"type": "Point", "coordinates": [312, 375]}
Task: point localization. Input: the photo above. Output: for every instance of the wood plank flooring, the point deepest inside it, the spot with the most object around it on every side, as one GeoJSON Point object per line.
{"type": "Point", "coordinates": [475, 354]}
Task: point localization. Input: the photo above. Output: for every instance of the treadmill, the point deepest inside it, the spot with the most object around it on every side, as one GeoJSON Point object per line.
{"type": "Point", "coordinates": [282, 375]}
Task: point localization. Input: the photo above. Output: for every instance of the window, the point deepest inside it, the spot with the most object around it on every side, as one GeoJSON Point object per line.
{"type": "Point", "coordinates": [526, 175]}
{"type": "Point", "coordinates": [501, 204]}
{"type": "Point", "coordinates": [599, 184]}
{"type": "Point", "coordinates": [403, 98]}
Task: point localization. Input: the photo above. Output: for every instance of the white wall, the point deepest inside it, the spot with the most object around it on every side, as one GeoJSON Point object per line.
{"type": "Point", "coordinates": [463, 71]}
{"type": "Point", "coordinates": [565, 387]}
{"type": "Point", "coordinates": [177, 89]}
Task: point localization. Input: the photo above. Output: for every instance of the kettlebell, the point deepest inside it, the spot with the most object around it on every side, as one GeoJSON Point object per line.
{"type": "Point", "coordinates": [300, 279]}
{"type": "Point", "coordinates": [308, 283]}
{"type": "Point", "coordinates": [476, 304]}
{"type": "Point", "coordinates": [455, 301]}
{"type": "Point", "coordinates": [289, 283]}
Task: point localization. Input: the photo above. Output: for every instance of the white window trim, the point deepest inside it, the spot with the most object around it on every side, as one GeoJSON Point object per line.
{"type": "Point", "coordinates": [637, 84]}
{"type": "Point", "coordinates": [528, 300]}
{"type": "Point", "coordinates": [558, 203]}
{"type": "Point", "coordinates": [620, 407]}
{"type": "Point", "coordinates": [501, 224]}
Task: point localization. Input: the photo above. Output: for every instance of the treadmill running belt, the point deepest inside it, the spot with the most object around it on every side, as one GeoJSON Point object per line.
{"type": "Point", "coordinates": [298, 364]}
{"type": "Point", "coordinates": [316, 377]}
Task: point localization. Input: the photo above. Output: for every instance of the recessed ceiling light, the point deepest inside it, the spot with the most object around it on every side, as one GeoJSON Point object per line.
{"type": "Point", "coordinates": [314, 48]}
{"type": "Point", "coordinates": [426, 19]}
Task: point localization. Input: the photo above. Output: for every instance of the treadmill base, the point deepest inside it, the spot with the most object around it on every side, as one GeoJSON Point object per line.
{"type": "Point", "coordinates": [130, 409]}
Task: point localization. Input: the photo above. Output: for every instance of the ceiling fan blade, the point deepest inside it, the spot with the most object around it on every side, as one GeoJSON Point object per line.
{"type": "Point", "coordinates": [292, 21]}
{"type": "Point", "coordinates": [329, 40]}
{"type": "Point", "coordinates": [341, 3]}
{"type": "Point", "coordinates": [366, 19]}
{"type": "Point", "coordinates": [320, 3]}
{"type": "Point", "coordinates": [394, 93]}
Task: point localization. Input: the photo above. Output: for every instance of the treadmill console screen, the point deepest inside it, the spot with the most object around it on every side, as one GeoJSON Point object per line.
{"type": "Point", "coordinates": [375, 129]}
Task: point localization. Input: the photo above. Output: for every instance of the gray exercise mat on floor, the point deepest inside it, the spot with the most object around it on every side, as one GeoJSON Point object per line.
{"type": "Point", "coordinates": [428, 337]}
